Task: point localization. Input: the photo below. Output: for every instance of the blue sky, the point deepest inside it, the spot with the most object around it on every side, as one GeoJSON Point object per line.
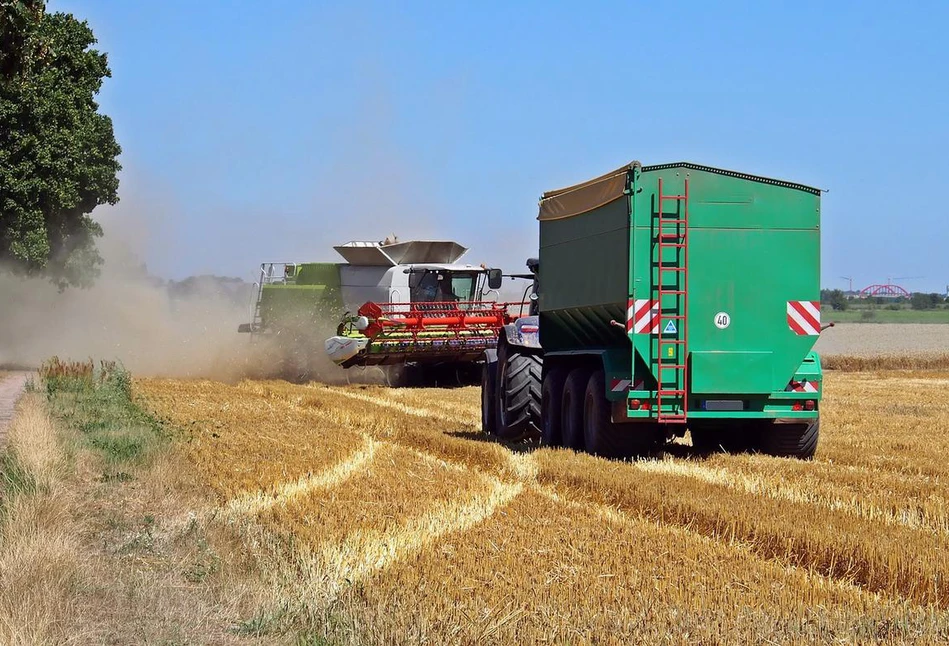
{"type": "Point", "coordinates": [269, 131]}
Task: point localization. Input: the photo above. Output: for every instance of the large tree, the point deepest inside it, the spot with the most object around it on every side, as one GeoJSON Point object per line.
{"type": "Point", "coordinates": [58, 154]}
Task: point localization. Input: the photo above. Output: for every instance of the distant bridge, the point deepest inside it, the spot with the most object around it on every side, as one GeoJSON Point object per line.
{"type": "Point", "coordinates": [889, 290]}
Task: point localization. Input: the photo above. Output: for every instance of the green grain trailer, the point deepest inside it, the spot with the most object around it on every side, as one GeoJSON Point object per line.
{"type": "Point", "coordinates": [670, 297]}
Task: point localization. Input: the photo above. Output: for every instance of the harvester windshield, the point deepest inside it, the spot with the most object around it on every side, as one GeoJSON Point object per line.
{"type": "Point", "coordinates": [439, 285]}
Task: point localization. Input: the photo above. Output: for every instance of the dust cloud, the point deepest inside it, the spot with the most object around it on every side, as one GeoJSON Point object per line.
{"type": "Point", "coordinates": [154, 327]}
{"type": "Point", "coordinates": [133, 318]}
{"type": "Point", "coordinates": [189, 328]}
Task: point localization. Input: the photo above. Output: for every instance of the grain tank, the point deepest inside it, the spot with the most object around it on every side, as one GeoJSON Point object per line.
{"type": "Point", "coordinates": [669, 297]}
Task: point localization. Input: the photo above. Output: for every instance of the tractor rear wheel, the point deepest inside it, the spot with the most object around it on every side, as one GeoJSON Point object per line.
{"type": "Point", "coordinates": [551, 403]}
{"type": "Point", "coordinates": [604, 437]}
{"type": "Point", "coordinates": [795, 440]}
{"type": "Point", "coordinates": [519, 394]}
{"type": "Point", "coordinates": [489, 393]}
{"type": "Point", "coordinates": [571, 409]}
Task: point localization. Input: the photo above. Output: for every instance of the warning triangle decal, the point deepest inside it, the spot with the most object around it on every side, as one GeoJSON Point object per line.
{"type": "Point", "coordinates": [670, 328]}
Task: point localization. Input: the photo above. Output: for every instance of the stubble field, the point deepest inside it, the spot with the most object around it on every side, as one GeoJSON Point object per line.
{"type": "Point", "coordinates": [392, 520]}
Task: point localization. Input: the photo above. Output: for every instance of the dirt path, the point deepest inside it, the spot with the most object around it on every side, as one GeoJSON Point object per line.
{"type": "Point", "coordinates": [11, 387]}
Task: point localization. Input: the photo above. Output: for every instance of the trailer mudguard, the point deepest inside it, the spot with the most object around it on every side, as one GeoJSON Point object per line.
{"type": "Point", "coordinates": [524, 333]}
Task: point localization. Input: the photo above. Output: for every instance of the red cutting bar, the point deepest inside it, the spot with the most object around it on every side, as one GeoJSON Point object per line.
{"type": "Point", "coordinates": [450, 318]}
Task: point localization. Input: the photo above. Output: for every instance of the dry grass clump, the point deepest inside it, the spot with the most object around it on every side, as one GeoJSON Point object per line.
{"type": "Point", "coordinates": [100, 543]}
{"type": "Point", "coordinates": [84, 371]}
{"type": "Point", "coordinates": [392, 486]}
{"type": "Point", "coordinates": [829, 541]}
{"type": "Point", "coordinates": [888, 423]}
{"type": "Point", "coordinates": [418, 418]}
{"type": "Point", "coordinates": [249, 439]}
{"type": "Point", "coordinates": [865, 363]}
{"type": "Point", "coordinates": [551, 570]}
{"type": "Point", "coordinates": [394, 524]}
{"type": "Point", "coordinates": [912, 500]}
{"type": "Point", "coordinates": [40, 565]}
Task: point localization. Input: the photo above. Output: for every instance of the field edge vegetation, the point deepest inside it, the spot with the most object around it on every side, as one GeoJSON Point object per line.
{"type": "Point", "coordinates": [105, 535]}
{"type": "Point", "coordinates": [938, 361]}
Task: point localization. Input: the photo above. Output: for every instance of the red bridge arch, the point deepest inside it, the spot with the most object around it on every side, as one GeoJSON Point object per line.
{"type": "Point", "coordinates": [888, 290]}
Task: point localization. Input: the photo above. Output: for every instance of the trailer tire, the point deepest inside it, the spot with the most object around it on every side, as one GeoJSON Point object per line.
{"type": "Point", "coordinates": [519, 394]}
{"type": "Point", "coordinates": [489, 393]}
{"type": "Point", "coordinates": [551, 404]}
{"type": "Point", "coordinates": [571, 409]}
{"type": "Point", "coordinates": [797, 440]}
{"type": "Point", "coordinates": [604, 437]}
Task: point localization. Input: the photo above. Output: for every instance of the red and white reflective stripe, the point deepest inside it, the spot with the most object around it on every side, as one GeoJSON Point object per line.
{"type": "Point", "coordinates": [619, 385]}
{"type": "Point", "coordinates": [804, 317]}
{"type": "Point", "coordinates": [802, 387]}
{"type": "Point", "coordinates": [642, 315]}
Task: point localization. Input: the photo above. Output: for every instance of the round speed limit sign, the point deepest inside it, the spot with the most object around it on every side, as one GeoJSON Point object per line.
{"type": "Point", "coordinates": [722, 320]}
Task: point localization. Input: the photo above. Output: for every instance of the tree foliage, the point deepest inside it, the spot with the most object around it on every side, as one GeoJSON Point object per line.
{"type": "Point", "coordinates": [58, 154]}
{"type": "Point", "coordinates": [921, 301]}
{"type": "Point", "coordinates": [835, 298]}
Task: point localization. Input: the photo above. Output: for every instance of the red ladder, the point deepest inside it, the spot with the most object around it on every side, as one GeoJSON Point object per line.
{"type": "Point", "coordinates": [673, 236]}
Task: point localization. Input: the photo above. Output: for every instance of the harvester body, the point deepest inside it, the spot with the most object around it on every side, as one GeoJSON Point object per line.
{"type": "Point", "coordinates": [684, 296]}
{"type": "Point", "coordinates": [388, 305]}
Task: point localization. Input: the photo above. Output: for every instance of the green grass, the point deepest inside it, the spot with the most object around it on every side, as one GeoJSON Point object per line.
{"type": "Point", "coordinates": [102, 410]}
{"type": "Point", "coordinates": [14, 478]}
{"type": "Point", "coordinates": [883, 315]}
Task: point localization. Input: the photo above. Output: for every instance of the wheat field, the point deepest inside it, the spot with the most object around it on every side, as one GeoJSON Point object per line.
{"type": "Point", "coordinates": [396, 521]}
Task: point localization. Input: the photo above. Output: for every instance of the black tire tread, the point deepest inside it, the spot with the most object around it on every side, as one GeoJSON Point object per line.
{"type": "Point", "coordinates": [571, 417]}
{"type": "Point", "coordinates": [797, 440]}
{"type": "Point", "coordinates": [551, 401]}
{"type": "Point", "coordinates": [521, 396]}
{"type": "Point", "coordinates": [608, 439]}
{"type": "Point", "coordinates": [489, 396]}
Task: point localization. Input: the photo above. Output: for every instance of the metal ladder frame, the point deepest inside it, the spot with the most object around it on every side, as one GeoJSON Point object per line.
{"type": "Point", "coordinates": [680, 245]}
{"type": "Point", "coordinates": [266, 278]}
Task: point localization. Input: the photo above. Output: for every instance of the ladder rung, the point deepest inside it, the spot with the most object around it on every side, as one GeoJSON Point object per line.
{"type": "Point", "coordinates": [670, 234]}
{"type": "Point", "coordinates": [664, 221]}
{"type": "Point", "coordinates": [671, 291]}
{"type": "Point", "coordinates": [662, 393]}
{"type": "Point", "coordinates": [664, 268]}
{"type": "Point", "coordinates": [672, 197]}
{"type": "Point", "coordinates": [677, 366]}
{"type": "Point", "coordinates": [674, 317]}
{"type": "Point", "coordinates": [671, 341]}
{"type": "Point", "coordinates": [673, 245]}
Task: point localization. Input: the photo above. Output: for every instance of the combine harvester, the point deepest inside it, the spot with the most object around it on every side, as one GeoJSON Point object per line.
{"type": "Point", "coordinates": [670, 297]}
{"type": "Point", "coordinates": [409, 308]}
